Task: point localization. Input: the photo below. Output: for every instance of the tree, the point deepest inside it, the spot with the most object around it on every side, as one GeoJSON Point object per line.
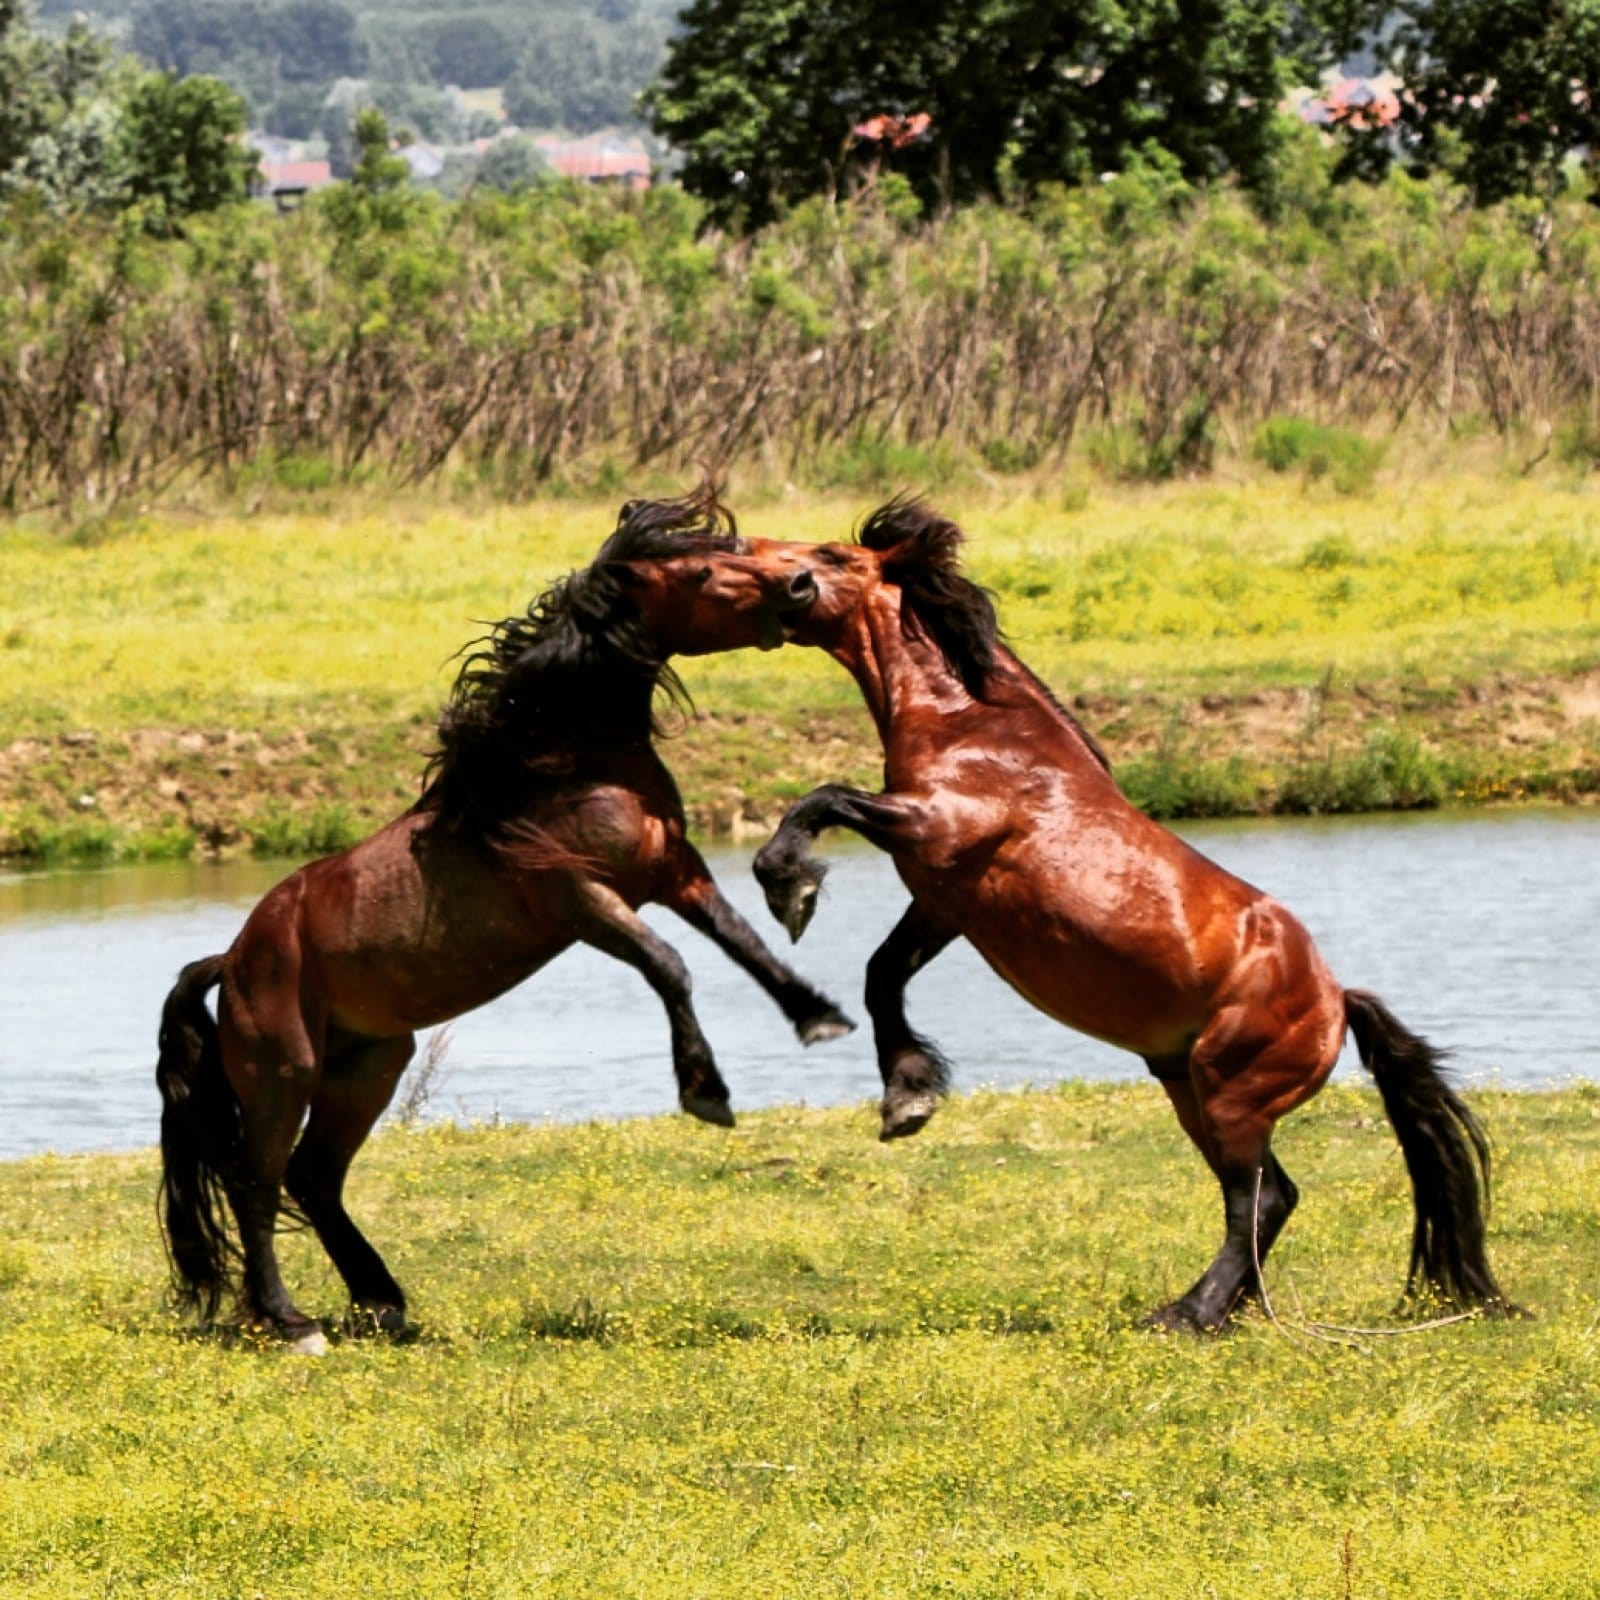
{"type": "Point", "coordinates": [44, 85]}
{"type": "Point", "coordinates": [1500, 91]}
{"type": "Point", "coordinates": [762, 101]}
{"type": "Point", "coordinates": [580, 74]}
{"type": "Point", "coordinates": [470, 50]}
{"type": "Point", "coordinates": [511, 165]}
{"type": "Point", "coordinates": [181, 145]}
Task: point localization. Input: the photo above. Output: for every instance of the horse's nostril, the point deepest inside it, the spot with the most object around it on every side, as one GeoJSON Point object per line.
{"type": "Point", "coordinates": [802, 586]}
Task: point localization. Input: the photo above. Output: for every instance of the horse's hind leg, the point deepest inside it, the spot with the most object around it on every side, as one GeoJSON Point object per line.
{"type": "Point", "coordinates": [359, 1079]}
{"type": "Point", "coordinates": [915, 1075]}
{"type": "Point", "coordinates": [1238, 1084]}
{"type": "Point", "coordinates": [272, 1079]}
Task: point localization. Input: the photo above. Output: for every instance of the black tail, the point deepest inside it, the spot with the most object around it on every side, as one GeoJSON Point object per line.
{"type": "Point", "coordinates": [200, 1142]}
{"type": "Point", "coordinates": [1446, 1151]}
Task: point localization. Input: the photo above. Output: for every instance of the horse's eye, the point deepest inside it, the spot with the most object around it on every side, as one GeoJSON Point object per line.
{"type": "Point", "coordinates": [703, 576]}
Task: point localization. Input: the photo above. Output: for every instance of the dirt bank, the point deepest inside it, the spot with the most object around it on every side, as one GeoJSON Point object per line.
{"type": "Point", "coordinates": [220, 790]}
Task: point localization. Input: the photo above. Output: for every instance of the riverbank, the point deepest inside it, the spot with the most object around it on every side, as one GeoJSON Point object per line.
{"type": "Point", "coordinates": [658, 1359]}
{"type": "Point", "coordinates": [216, 680]}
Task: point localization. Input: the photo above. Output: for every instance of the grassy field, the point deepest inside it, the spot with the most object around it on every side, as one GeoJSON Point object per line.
{"type": "Point", "coordinates": [658, 1360]}
{"type": "Point", "coordinates": [221, 678]}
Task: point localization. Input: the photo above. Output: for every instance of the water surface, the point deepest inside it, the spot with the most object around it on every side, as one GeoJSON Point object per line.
{"type": "Point", "coordinates": [1478, 929]}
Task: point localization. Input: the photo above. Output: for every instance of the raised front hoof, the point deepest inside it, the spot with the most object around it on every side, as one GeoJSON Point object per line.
{"type": "Point", "coordinates": [823, 1027]}
{"type": "Point", "coordinates": [904, 1115]}
{"type": "Point", "coordinates": [792, 894]}
{"type": "Point", "coordinates": [379, 1322]}
{"type": "Point", "coordinates": [717, 1112]}
{"type": "Point", "coordinates": [1179, 1316]}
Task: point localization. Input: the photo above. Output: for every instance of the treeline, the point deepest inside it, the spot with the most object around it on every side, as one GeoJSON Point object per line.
{"type": "Point", "coordinates": [561, 63]}
{"type": "Point", "coordinates": [384, 332]}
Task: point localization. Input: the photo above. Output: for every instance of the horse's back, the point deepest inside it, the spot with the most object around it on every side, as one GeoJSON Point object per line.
{"type": "Point", "coordinates": [403, 930]}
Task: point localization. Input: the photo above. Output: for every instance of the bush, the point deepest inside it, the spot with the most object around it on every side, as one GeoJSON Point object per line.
{"type": "Point", "coordinates": [1349, 461]}
{"type": "Point", "coordinates": [1392, 773]}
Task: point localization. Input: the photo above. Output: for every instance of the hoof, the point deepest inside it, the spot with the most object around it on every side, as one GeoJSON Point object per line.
{"type": "Point", "coordinates": [370, 1322]}
{"type": "Point", "coordinates": [820, 1029]}
{"type": "Point", "coordinates": [716, 1112]}
{"type": "Point", "coordinates": [1177, 1316]}
{"type": "Point", "coordinates": [792, 895]}
{"type": "Point", "coordinates": [309, 1341]}
{"type": "Point", "coordinates": [906, 1116]}
{"type": "Point", "coordinates": [797, 914]}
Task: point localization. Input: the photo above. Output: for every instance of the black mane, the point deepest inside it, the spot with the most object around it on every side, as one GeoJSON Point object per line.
{"type": "Point", "coordinates": [942, 603]}
{"type": "Point", "coordinates": [576, 674]}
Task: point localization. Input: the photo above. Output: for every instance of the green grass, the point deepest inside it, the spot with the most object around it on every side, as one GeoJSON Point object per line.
{"type": "Point", "coordinates": [330, 635]}
{"type": "Point", "coordinates": [662, 1361]}
{"type": "Point", "coordinates": [280, 619]}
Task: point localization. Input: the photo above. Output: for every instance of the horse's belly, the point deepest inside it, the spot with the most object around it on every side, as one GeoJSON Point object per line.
{"type": "Point", "coordinates": [1081, 957]}
{"type": "Point", "coordinates": [1076, 982]}
{"type": "Point", "coordinates": [381, 992]}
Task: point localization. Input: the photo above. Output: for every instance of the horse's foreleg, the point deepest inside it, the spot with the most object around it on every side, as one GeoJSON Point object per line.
{"type": "Point", "coordinates": [608, 923]}
{"type": "Point", "coordinates": [357, 1085]}
{"type": "Point", "coordinates": [915, 1075]}
{"type": "Point", "coordinates": [697, 899]}
{"type": "Point", "coordinates": [784, 866]}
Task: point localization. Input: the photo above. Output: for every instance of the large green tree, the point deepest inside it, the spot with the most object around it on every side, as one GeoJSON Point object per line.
{"type": "Point", "coordinates": [44, 85]}
{"type": "Point", "coordinates": [1500, 91]}
{"type": "Point", "coordinates": [181, 143]}
{"type": "Point", "coordinates": [761, 100]}
{"type": "Point", "coordinates": [82, 130]}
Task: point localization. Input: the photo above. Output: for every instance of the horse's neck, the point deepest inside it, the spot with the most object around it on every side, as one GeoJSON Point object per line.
{"type": "Point", "coordinates": [901, 677]}
{"type": "Point", "coordinates": [915, 697]}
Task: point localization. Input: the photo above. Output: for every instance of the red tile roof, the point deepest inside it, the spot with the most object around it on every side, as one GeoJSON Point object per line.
{"type": "Point", "coordinates": [278, 175]}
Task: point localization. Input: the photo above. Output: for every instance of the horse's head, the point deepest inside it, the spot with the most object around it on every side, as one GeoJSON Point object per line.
{"type": "Point", "coordinates": [911, 554]}
{"type": "Point", "coordinates": [694, 605]}
{"type": "Point", "coordinates": [698, 587]}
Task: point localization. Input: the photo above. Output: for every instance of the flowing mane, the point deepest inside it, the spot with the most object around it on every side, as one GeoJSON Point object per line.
{"type": "Point", "coordinates": [944, 604]}
{"type": "Point", "coordinates": [578, 668]}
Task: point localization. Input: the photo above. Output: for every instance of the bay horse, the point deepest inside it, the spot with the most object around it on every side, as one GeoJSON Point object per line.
{"type": "Point", "coordinates": [547, 818]}
{"type": "Point", "coordinates": [1008, 829]}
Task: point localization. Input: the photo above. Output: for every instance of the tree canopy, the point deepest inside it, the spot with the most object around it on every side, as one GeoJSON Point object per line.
{"type": "Point", "coordinates": [763, 101]}
{"type": "Point", "coordinates": [1499, 92]}
{"type": "Point", "coordinates": [83, 130]}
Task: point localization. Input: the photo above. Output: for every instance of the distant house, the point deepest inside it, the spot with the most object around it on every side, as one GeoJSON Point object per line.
{"type": "Point", "coordinates": [1367, 103]}
{"type": "Point", "coordinates": [287, 183]}
{"type": "Point", "coordinates": [601, 158]}
{"type": "Point", "coordinates": [426, 162]}
{"type": "Point", "coordinates": [272, 147]}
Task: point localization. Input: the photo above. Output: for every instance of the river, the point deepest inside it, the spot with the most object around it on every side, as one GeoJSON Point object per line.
{"type": "Point", "coordinates": [1478, 928]}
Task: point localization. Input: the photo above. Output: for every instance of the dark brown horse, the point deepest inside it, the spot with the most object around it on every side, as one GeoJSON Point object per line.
{"type": "Point", "coordinates": [1005, 824]}
{"type": "Point", "coordinates": [547, 819]}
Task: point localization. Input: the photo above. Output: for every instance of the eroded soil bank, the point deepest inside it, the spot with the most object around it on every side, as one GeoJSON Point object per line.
{"type": "Point", "coordinates": [1336, 746]}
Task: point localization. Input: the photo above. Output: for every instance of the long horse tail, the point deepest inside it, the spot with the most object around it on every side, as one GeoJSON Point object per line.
{"type": "Point", "coordinates": [1446, 1154]}
{"type": "Point", "coordinates": [201, 1143]}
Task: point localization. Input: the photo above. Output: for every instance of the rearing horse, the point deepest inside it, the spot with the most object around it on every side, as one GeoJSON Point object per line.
{"type": "Point", "coordinates": [1004, 822]}
{"type": "Point", "coordinates": [548, 819]}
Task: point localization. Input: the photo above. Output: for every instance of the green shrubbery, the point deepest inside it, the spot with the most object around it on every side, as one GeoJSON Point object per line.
{"type": "Point", "coordinates": [529, 339]}
{"type": "Point", "coordinates": [1317, 450]}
